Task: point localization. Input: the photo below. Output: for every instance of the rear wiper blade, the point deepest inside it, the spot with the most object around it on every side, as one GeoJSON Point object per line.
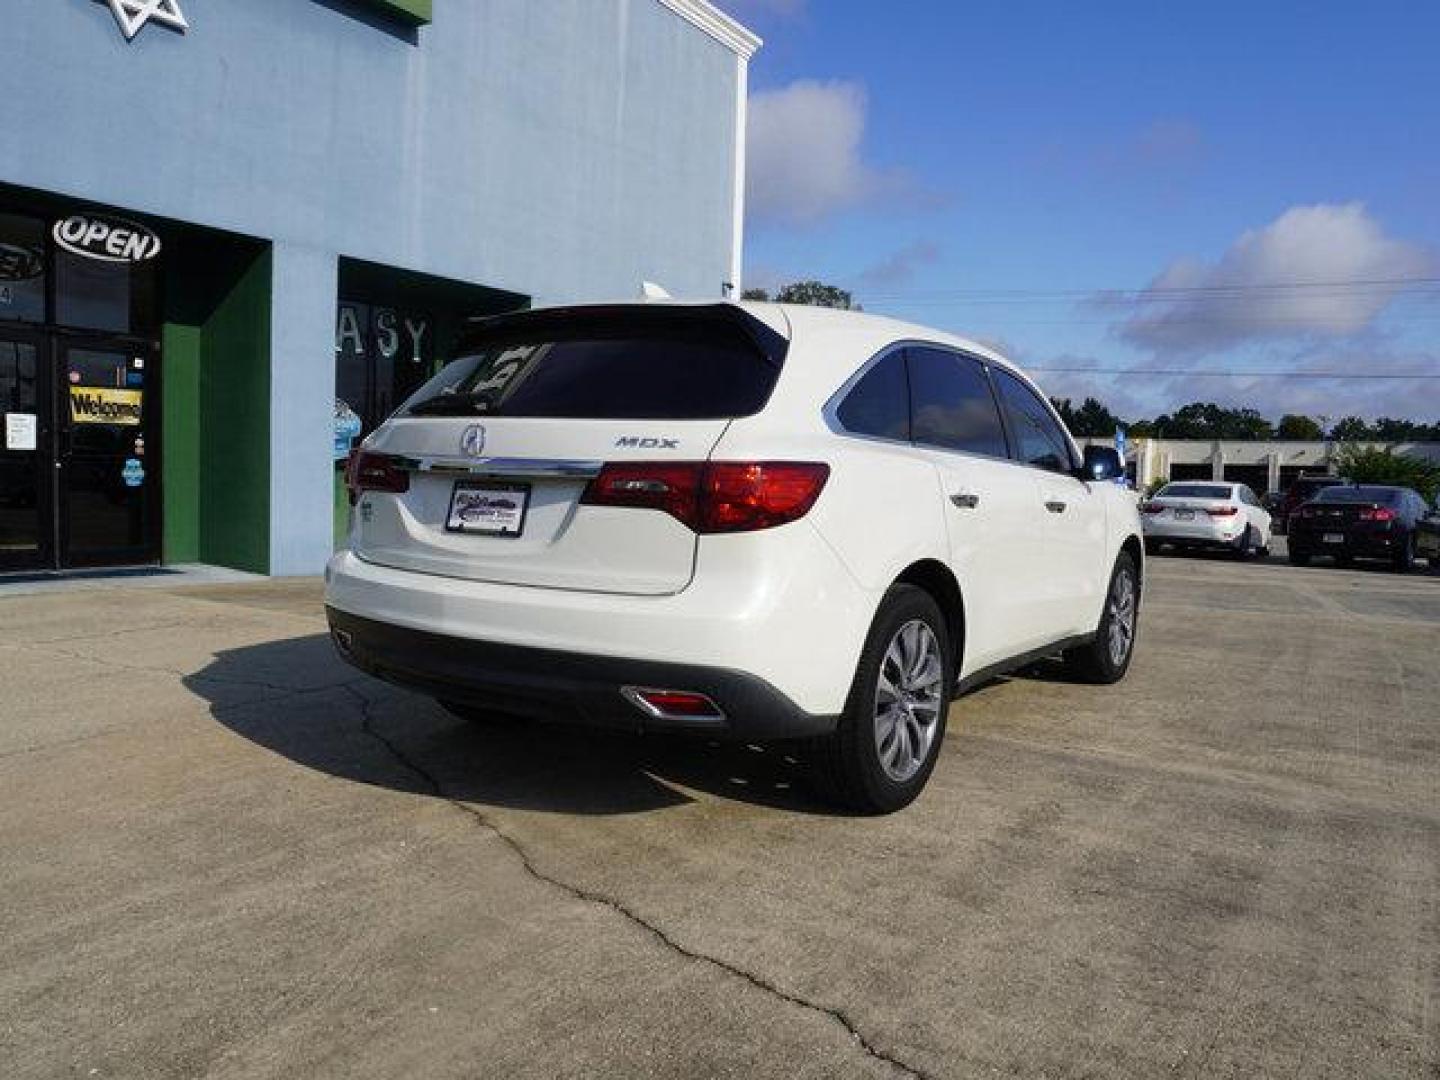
{"type": "Point", "coordinates": [472, 404]}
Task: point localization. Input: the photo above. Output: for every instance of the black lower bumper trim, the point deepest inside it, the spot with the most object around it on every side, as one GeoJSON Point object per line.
{"type": "Point", "coordinates": [547, 684]}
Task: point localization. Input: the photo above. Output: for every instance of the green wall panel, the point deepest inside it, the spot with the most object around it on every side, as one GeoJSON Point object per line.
{"type": "Point", "coordinates": [235, 424]}
{"type": "Point", "coordinates": [412, 11]}
{"type": "Point", "coordinates": [180, 440]}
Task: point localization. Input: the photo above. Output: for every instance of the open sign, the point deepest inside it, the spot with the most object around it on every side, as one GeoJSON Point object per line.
{"type": "Point", "coordinates": [108, 239]}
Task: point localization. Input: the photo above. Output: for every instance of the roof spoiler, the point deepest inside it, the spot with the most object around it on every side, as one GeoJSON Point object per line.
{"type": "Point", "coordinates": [618, 320]}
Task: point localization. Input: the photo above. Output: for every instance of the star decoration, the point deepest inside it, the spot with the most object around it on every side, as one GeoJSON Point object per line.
{"type": "Point", "coordinates": [134, 14]}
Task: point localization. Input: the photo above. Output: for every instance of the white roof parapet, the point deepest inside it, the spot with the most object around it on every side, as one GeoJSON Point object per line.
{"type": "Point", "coordinates": [730, 33]}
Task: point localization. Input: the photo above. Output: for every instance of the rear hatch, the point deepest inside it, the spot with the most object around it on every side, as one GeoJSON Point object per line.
{"type": "Point", "coordinates": [1343, 516]}
{"type": "Point", "coordinates": [496, 453]}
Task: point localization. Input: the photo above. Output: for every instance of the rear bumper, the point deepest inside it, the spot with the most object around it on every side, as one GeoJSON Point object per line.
{"type": "Point", "coordinates": [1357, 544]}
{"type": "Point", "coordinates": [1196, 534]}
{"type": "Point", "coordinates": [568, 686]}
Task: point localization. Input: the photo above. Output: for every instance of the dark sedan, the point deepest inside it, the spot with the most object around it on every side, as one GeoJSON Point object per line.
{"type": "Point", "coordinates": [1358, 521]}
{"type": "Point", "coordinates": [1301, 491]}
{"type": "Point", "coordinates": [1427, 537]}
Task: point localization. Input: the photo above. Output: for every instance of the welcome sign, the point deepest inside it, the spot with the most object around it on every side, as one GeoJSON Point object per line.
{"type": "Point", "coordinates": [101, 405]}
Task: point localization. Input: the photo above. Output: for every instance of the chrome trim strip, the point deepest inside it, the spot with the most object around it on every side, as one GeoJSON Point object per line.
{"type": "Point", "coordinates": [540, 468]}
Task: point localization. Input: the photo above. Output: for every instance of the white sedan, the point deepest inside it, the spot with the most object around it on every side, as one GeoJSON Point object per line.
{"type": "Point", "coordinates": [1215, 515]}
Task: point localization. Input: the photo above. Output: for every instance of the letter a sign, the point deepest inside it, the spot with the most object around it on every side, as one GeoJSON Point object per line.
{"type": "Point", "coordinates": [132, 15]}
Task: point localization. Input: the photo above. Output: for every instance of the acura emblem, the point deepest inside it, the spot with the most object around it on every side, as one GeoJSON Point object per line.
{"type": "Point", "coordinates": [472, 442]}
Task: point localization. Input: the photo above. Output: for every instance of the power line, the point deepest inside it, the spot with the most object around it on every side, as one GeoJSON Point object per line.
{"type": "Point", "coordinates": [1237, 374]}
{"type": "Point", "coordinates": [1165, 292]}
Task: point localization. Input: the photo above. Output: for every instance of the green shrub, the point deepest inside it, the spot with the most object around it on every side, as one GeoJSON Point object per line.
{"type": "Point", "coordinates": [1367, 465]}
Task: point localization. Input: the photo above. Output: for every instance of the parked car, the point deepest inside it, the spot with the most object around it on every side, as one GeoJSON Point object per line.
{"type": "Point", "coordinates": [1219, 516]}
{"type": "Point", "coordinates": [1301, 491]}
{"type": "Point", "coordinates": [1359, 521]}
{"type": "Point", "coordinates": [744, 521]}
{"type": "Point", "coordinates": [1427, 536]}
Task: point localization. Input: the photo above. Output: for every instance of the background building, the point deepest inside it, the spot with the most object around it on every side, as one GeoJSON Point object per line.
{"type": "Point", "coordinates": [1264, 465]}
{"type": "Point", "coordinates": [216, 231]}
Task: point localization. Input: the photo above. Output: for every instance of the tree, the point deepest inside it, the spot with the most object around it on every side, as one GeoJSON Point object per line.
{"type": "Point", "coordinates": [816, 294]}
{"type": "Point", "coordinates": [1206, 420]}
{"type": "Point", "coordinates": [1372, 465]}
{"type": "Point", "coordinates": [755, 294]}
{"type": "Point", "coordinates": [1294, 426]}
{"type": "Point", "coordinates": [1351, 429]}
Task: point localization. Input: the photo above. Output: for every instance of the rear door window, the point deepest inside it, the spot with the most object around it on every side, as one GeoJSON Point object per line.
{"type": "Point", "coordinates": [1036, 435]}
{"type": "Point", "coordinates": [879, 404]}
{"type": "Point", "coordinates": [951, 403]}
{"type": "Point", "coordinates": [597, 368]}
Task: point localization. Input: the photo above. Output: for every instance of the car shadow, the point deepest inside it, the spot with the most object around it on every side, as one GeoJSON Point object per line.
{"type": "Point", "coordinates": [296, 698]}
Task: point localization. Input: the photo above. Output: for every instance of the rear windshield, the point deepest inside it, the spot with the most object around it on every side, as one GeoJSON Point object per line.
{"type": "Point", "coordinates": [1358, 495]}
{"type": "Point", "coordinates": [1309, 487]}
{"type": "Point", "coordinates": [604, 369]}
{"type": "Point", "coordinates": [1194, 491]}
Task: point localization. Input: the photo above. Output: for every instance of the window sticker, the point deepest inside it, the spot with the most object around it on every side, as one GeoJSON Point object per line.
{"type": "Point", "coordinates": [20, 431]}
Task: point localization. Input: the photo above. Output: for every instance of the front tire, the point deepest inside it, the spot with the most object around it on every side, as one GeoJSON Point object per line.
{"type": "Point", "coordinates": [1107, 657]}
{"type": "Point", "coordinates": [888, 738]}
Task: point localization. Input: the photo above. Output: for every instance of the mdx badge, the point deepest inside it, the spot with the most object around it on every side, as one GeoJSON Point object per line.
{"type": "Point", "coordinates": [472, 441]}
{"type": "Point", "coordinates": [634, 442]}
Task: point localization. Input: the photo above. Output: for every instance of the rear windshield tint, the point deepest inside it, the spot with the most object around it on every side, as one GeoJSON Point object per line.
{"type": "Point", "coordinates": [1194, 491]}
{"type": "Point", "coordinates": [1309, 487]}
{"type": "Point", "coordinates": [621, 369]}
{"type": "Point", "coordinates": [1358, 495]}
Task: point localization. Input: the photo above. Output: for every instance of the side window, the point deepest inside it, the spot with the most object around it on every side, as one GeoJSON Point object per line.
{"type": "Point", "coordinates": [951, 403]}
{"type": "Point", "coordinates": [879, 404]}
{"type": "Point", "coordinates": [1037, 436]}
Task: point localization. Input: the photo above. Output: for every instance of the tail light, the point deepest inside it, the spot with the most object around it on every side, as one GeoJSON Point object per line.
{"type": "Point", "coordinates": [1223, 511]}
{"type": "Point", "coordinates": [1150, 508]}
{"type": "Point", "coordinates": [713, 496]}
{"type": "Point", "coordinates": [1378, 513]}
{"type": "Point", "coordinates": [366, 471]}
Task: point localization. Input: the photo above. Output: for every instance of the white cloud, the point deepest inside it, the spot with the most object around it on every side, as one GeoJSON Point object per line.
{"type": "Point", "coordinates": [1248, 295]}
{"type": "Point", "coordinates": [899, 267]}
{"type": "Point", "coordinates": [803, 152]}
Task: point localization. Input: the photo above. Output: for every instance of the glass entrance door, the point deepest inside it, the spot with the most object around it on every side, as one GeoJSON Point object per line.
{"type": "Point", "coordinates": [27, 533]}
{"type": "Point", "coordinates": [105, 448]}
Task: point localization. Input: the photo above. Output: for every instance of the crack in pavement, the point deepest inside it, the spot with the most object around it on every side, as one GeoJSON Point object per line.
{"type": "Point", "coordinates": [836, 1015]}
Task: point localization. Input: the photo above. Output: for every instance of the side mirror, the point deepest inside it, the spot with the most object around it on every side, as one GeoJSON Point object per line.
{"type": "Point", "coordinates": [1101, 463]}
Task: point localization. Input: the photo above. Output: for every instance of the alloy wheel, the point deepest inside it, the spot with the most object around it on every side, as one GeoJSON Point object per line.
{"type": "Point", "coordinates": [908, 694]}
{"type": "Point", "coordinates": [1120, 611]}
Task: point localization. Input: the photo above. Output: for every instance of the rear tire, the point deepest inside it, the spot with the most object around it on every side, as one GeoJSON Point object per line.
{"type": "Point", "coordinates": [1405, 557]}
{"type": "Point", "coordinates": [1106, 659]}
{"type": "Point", "coordinates": [1299, 558]}
{"type": "Point", "coordinates": [1245, 549]}
{"type": "Point", "coordinates": [888, 738]}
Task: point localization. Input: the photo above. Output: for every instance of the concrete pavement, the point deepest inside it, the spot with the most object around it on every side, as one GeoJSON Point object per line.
{"type": "Point", "coordinates": [226, 854]}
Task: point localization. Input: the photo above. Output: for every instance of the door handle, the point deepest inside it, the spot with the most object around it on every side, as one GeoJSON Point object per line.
{"type": "Point", "coordinates": [1055, 506]}
{"type": "Point", "coordinates": [966, 500]}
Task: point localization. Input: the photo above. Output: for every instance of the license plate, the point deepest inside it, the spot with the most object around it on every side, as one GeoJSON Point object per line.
{"type": "Point", "coordinates": [490, 508]}
{"type": "Point", "coordinates": [1334, 538]}
{"type": "Point", "coordinates": [1184, 515]}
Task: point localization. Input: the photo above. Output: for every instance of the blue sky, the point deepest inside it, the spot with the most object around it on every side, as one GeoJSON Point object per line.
{"type": "Point", "coordinates": [1229, 170]}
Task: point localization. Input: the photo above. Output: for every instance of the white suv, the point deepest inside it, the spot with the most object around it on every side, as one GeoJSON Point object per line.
{"type": "Point", "coordinates": [741, 520]}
